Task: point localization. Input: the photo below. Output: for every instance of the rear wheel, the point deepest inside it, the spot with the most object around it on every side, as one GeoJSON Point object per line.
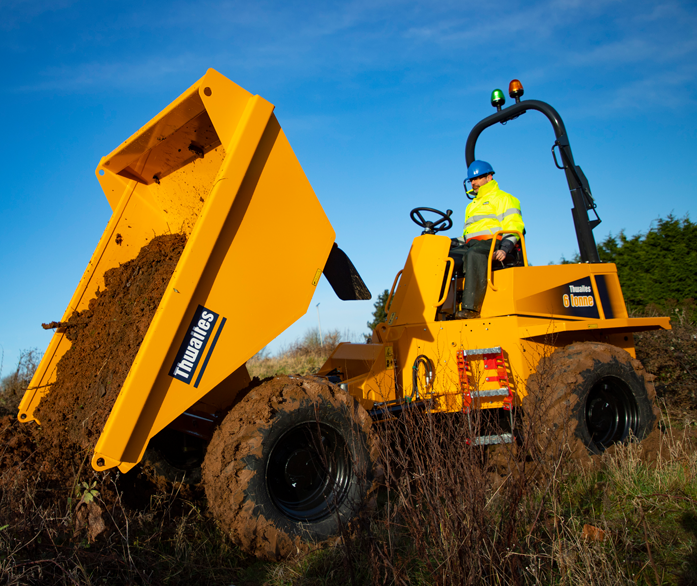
{"type": "Point", "coordinates": [290, 466]}
{"type": "Point", "coordinates": [611, 412]}
{"type": "Point", "coordinates": [589, 396]}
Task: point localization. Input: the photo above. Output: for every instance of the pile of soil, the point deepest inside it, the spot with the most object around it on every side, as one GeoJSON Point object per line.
{"type": "Point", "coordinates": [671, 355]}
{"type": "Point", "coordinates": [105, 340]}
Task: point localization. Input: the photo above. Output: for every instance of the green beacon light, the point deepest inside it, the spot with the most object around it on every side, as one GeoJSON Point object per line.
{"type": "Point", "coordinates": [497, 99]}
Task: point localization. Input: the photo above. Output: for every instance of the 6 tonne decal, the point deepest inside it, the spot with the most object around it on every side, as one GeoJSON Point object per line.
{"type": "Point", "coordinates": [576, 297]}
{"type": "Point", "coordinates": [574, 300]}
{"type": "Point", "coordinates": [200, 331]}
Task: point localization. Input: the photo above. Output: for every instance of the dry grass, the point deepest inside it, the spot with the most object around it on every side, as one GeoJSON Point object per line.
{"type": "Point", "coordinates": [304, 356]}
{"type": "Point", "coordinates": [166, 540]}
{"type": "Point", "coordinates": [450, 512]}
{"type": "Point", "coordinates": [454, 513]}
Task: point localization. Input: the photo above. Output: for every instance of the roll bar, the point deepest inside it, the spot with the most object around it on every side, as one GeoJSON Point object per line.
{"type": "Point", "coordinates": [578, 184]}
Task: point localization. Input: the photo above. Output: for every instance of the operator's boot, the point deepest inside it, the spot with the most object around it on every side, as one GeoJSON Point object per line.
{"type": "Point", "coordinates": [463, 312]}
{"type": "Point", "coordinates": [466, 314]}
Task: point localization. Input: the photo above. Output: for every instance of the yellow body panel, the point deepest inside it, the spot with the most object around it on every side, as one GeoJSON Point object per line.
{"type": "Point", "coordinates": [416, 298]}
{"type": "Point", "coordinates": [252, 220]}
{"type": "Point", "coordinates": [216, 166]}
{"type": "Point", "coordinates": [528, 312]}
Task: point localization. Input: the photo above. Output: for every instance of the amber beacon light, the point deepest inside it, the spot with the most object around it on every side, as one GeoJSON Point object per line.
{"type": "Point", "coordinates": [515, 90]}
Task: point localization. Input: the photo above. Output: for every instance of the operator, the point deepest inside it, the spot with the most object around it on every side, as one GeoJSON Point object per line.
{"type": "Point", "coordinates": [491, 211]}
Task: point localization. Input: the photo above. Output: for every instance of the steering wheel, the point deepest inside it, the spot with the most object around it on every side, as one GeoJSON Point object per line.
{"type": "Point", "coordinates": [445, 222]}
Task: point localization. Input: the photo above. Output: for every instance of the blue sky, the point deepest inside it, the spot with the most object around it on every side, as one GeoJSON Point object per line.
{"type": "Point", "coordinates": [377, 99]}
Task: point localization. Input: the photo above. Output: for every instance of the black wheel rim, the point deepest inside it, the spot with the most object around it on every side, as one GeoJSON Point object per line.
{"type": "Point", "coordinates": [308, 472]}
{"type": "Point", "coordinates": [611, 412]}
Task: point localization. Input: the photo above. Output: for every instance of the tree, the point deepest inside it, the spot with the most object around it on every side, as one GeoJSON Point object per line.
{"type": "Point", "coordinates": [379, 314]}
{"type": "Point", "coordinates": [656, 266]}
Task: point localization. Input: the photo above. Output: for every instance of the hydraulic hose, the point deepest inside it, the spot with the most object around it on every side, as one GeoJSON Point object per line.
{"type": "Point", "coordinates": [428, 367]}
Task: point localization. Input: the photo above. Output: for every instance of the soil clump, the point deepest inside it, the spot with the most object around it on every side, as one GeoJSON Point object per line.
{"type": "Point", "coordinates": [105, 338]}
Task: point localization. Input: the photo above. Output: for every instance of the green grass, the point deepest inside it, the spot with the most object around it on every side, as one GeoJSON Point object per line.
{"type": "Point", "coordinates": [649, 510]}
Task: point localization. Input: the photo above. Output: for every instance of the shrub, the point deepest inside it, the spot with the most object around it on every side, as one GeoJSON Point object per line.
{"type": "Point", "coordinates": [12, 386]}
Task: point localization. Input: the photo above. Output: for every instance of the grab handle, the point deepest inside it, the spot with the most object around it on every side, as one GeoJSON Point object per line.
{"type": "Point", "coordinates": [491, 254]}
{"type": "Point", "coordinates": [447, 280]}
{"type": "Point", "coordinates": [388, 303]}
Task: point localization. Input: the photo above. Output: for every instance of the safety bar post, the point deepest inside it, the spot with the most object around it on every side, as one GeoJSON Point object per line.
{"type": "Point", "coordinates": [574, 176]}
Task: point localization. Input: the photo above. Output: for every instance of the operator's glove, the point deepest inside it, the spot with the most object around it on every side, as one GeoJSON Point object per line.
{"type": "Point", "coordinates": [507, 246]}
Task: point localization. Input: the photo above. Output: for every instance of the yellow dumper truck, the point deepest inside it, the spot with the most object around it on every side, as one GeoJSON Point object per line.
{"type": "Point", "coordinates": [289, 461]}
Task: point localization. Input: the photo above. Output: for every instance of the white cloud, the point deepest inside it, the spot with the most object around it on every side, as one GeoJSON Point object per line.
{"type": "Point", "coordinates": [408, 43]}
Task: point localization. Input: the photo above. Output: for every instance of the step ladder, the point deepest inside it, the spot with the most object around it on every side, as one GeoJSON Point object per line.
{"type": "Point", "coordinates": [495, 367]}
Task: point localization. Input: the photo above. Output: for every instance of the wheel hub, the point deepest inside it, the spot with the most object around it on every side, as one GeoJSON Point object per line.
{"type": "Point", "coordinates": [611, 412]}
{"type": "Point", "coordinates": [308, 472]}
{"type": "Point", "coordinates": [302, 472]}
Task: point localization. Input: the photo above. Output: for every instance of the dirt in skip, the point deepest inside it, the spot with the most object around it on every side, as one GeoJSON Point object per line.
{"type": "Point", "coordinates": [105, 338]}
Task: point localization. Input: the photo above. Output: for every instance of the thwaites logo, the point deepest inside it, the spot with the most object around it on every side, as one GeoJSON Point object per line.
{"type": "Point", "coordinates": [197, 336]}
{"type": "Point", "coordinates": [579, 296]}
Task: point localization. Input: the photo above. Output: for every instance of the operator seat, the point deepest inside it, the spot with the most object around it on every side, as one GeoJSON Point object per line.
{"type": "Point", "coordinates": [513, 258]}
{"type": "Point", "coordinates": [457, 253]}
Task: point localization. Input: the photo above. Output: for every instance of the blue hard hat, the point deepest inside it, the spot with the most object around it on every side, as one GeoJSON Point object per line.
{"type": "Point", "coordinates": [479, 168]}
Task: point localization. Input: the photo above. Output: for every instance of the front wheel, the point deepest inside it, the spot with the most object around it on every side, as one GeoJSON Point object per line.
{"type": "Point", "coordinates": [290, 465]}
{"type": "Point", "coordinates": [589, 396]}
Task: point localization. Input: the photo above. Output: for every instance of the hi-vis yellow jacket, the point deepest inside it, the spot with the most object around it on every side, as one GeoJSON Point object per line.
{"type": "Point", "coordinates": [491, 211]}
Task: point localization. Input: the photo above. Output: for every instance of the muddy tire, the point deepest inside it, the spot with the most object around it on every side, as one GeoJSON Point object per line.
{"type": "Point", "coordinates": [291, 466]}
{"type": "Point", "coordinates": [587, 397]}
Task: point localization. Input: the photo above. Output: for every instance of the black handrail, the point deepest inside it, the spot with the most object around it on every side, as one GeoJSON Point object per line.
{"type": "Point", "coordinates": [578, 184]}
